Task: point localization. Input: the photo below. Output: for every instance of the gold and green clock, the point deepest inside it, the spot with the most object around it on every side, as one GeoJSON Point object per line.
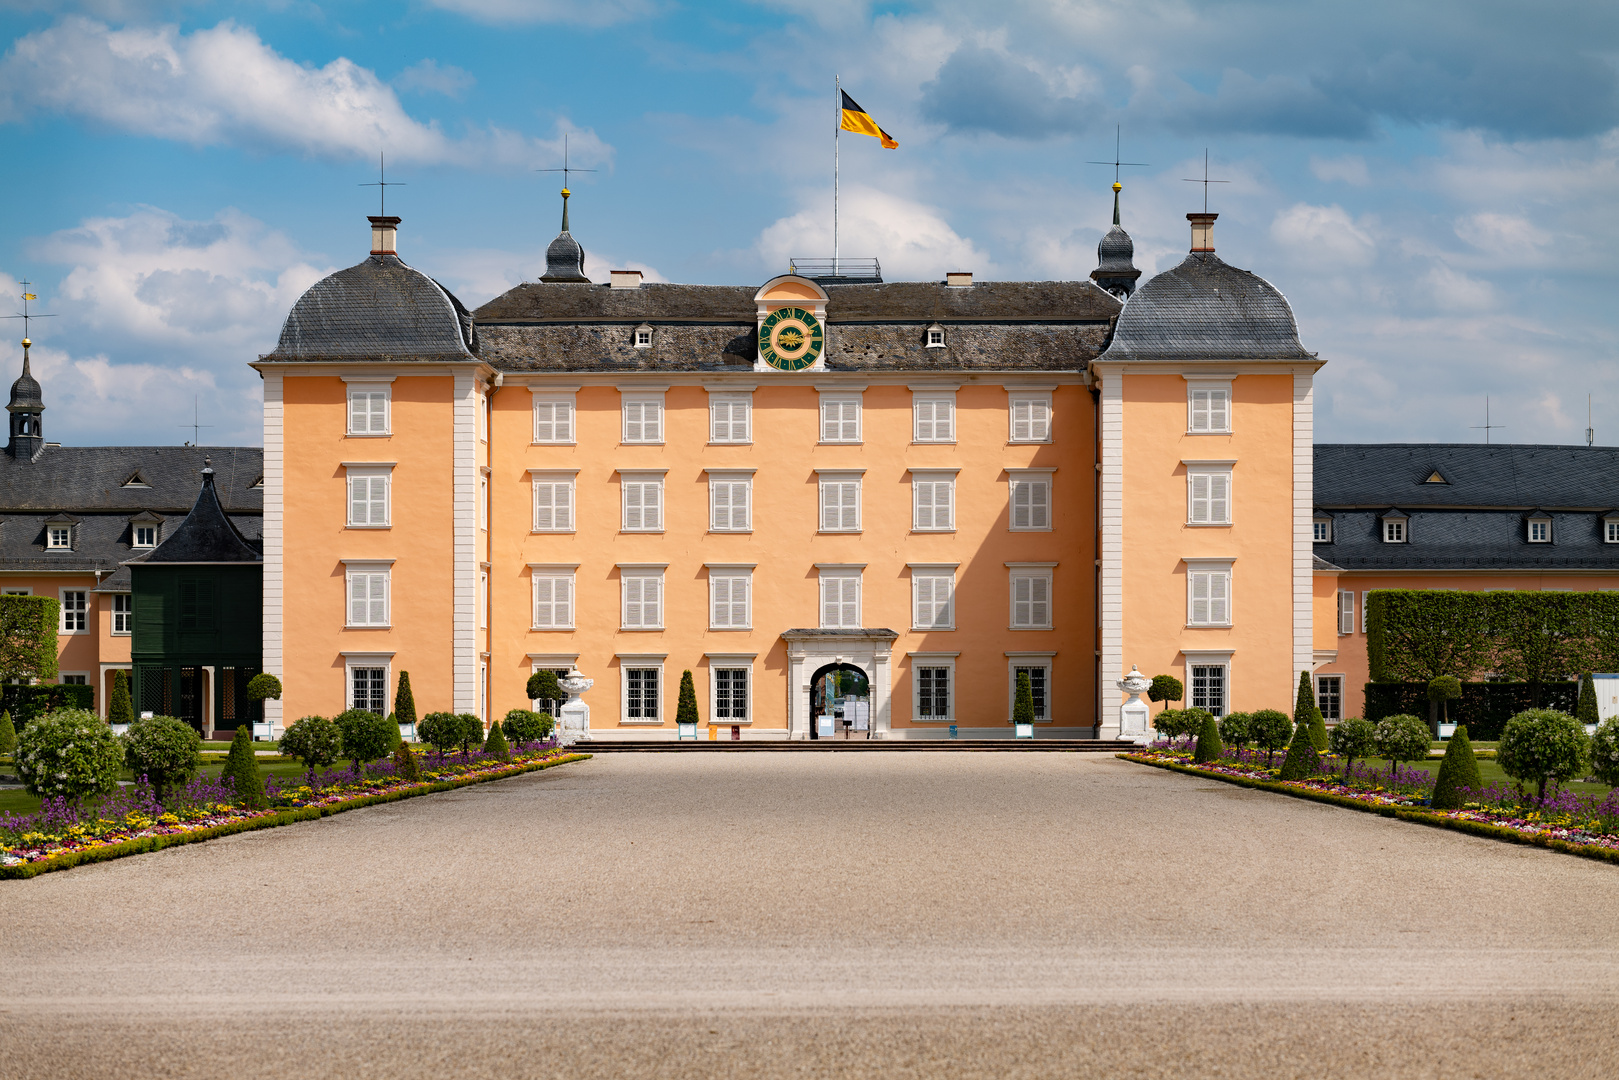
{"type": "Point", "coordinates": [790, 339]}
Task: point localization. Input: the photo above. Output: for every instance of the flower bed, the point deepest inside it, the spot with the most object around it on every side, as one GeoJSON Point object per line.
{"type": "Point", "coordinates": [130, 820]}
{"type": "Point", "coordinates": [1576, 824]}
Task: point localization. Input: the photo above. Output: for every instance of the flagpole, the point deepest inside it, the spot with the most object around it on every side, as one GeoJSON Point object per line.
{"type": "Point", "coordinates": [837, 92]}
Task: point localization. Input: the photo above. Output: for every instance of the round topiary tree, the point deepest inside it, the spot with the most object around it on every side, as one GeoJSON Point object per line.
{"type": "Point", "coordinates": [1443, 690]}
{"type": "Point", "coordinates": [1402, 737]}
{"type": "Point", "coordinates": [1605, 753]}
{"type": "Point", "coordinates": [263, 685]}
{"type": "Point", "coordinates": [441, 730]}
{"type": "Point", "coordinates": [68, 754]}
{"type": "Point", "coordinates": [163, 749]}
{"type": "Point", "coordinates": [1543, 745]}
{"type": "Point", "coordinates": [472, 733]}
{"type": "Point", "coordinates": [120, 710]}
{"type": "Point", "coordinates": [1209, 746]}
{"type": "Point", "coordinates": [1192, 722]}
{"type": "Point", "coordinates": [315, 741]}
{"type": "Point", "coordinates": [366, 736]}
{"type": "Point", "coordinates": [1458, 773]}
{"type": "Point", "coordinates": [524, 726]}
{"type": "Point", "coordinates": [242, 769]}
{"type": "Point", "coordinates": [1351, 739]}
{"type": "Point", "coordinates": [1170, 723]}
{"type": "Point", "coordinates": [495, 744]}
{"type": "Point", "coordinates": [1165, 688]}
{"type": "Point", "coordinates": [1234, 730]}
{"type": "Point", "coordinates": [1270, 729]}
{"type": "Point", "coordinates": [1302, 761]}
{"type": "Point", "coordinates": [543, 686]}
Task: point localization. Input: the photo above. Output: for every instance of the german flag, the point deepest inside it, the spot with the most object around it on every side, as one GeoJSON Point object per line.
{"type": "Point", "coordinates": [858, 120]}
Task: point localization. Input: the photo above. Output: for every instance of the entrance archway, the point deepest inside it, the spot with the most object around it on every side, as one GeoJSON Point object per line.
{"type": "Point", "coordinates": [840, 692]}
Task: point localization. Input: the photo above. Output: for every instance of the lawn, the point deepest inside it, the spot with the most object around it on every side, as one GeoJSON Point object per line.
{"type": "Point", "coordinates": [1488, 771]}
{"type": "Point", "coordinates": [17, 801]}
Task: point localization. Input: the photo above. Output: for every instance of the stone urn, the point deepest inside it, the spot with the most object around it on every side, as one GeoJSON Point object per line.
{"type": "Point", "coordinates": [1133, 714]}
{"type": "Point", "coordinates": [573, 721]}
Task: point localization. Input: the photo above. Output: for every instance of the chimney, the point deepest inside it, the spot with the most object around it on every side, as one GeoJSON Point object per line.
{"type": "Point", "coordinates": [958, 279]}
{"type": "Point", "coordinates": [626, 279]}
{"type": "Point", "coordinates": [384, 231]}
{"type": "Point", "coordinates": [1202, 231]}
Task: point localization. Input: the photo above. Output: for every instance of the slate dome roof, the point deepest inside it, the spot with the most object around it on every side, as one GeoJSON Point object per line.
{"type": "Point", "coordinates": [1206, 309]}
{"type": "Point", "coordinates": [26, 394]}
{"type": "Point", "coordinates": [1116, 251]}
{"type": "Point", "coordinates": [379, 309]}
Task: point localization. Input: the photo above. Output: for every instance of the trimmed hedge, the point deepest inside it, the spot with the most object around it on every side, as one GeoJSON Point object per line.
{"type": "Point", "coordinates": [1485, 707]}
{"type": "Point", "coordinates": [25, 703]}
{"type": "Point", "coordinates": [1417, 634]}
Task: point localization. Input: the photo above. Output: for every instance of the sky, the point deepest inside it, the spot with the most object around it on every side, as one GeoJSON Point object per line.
{"type": "Point", "coordinates": [1433, 186]}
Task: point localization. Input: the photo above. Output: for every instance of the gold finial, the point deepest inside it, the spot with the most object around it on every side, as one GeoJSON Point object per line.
{"type": "Point", "coordinates": [1117, 186]}
{"type": "Point", "coordinates": [26, 343]}
{"type": "Point", "coordinates": [566, 193]}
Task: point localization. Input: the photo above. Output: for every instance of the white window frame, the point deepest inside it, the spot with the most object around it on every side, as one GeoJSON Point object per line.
{"type": "Point", "coordinates": [926, 486]}
{"type": "Point", "coordinates": [945, 661]}
{"type": "Point", "coordinates": [55, 532]}
{"type": "Point", "coordinates": [553, 576]}
{"type": "Point", "coordinates": [1015, 660]}
{"type": "Point", "coordinates": [371, 570]}
{"type": "Point", "coordinates": [1545, 530]}
{"type": "Point", "coordinates": [1036, 406]}
{"type": "Point", "coordinates": [1346, 612]}
{"type": "Point", "coordinates": [641, 336]}
{"type": "Point", "coordinates": [369, 472]}
{"type": "Point", "coordinates": [933, 337]}
{"type": "Point", "coordinates": [483, 503]}
{"type": "Point", "coordinates": [838, 481]}
{"type": "Point", "coordinates": [558, 663]}
{"type": "Point", "coordinates": [1321, 530]}
{"type": "Point", "coordinates": [718, 662]}
{"type": "Point", "coordinates": [127, 600]}
{"type": "Point", "coordinates": [135, 531]}
{"type": "Point", "coordinates": [1610, 530]}
{"type": "Point", "coordinates": [73, 678]}
{"type": "Point", "coordinates": [642, 415]}
{"type": "Point", "coordinates": [724, 487]}
{"type": "Point", "coordinates": [370, 662]}
{"type": "Point", "coordinates": [640, 662]}
{"type": "Point", "coordinates": [1364, 607]}
{"type": "Point", "coordinates": [1204, 416]}
{"type": "Point", "coordinates": [636, 512]}
{"type": "Point", "coordinates": [64, 611]}
{"type": "Point", "coordinates": [841, 427]}
{"type": "Point", "coordinates": [1020, 481]}
{"type": "Point", "coordinates": [634, 598]}
{"type": "Point", "coordinates": [1034, 573]}
{"type": "Point", "coordinates": [724, 582]}
{"type": "Point", "coordinates": [841, 574]}
{"type": "Point", "coordinates": [1206, 510]}
{"type": "Point", "coordinates": [1396, 531]}
{"type": "Point", "coordinates": [556, 417]}
{"type": "Point", "coordinates": [929, 401]}
{"type": "Point", "coordinates": [724, 427]}
{"type": "Point", "coordinates": [1214, 575]}
{"type": "Point", "coordinates": [927, 579]}
{"type": "Point", "coordinates": [483, 600]}
{"type": "Point", "coordinates": [370, 391]}
{"type": "Point", "coordinates": [548, 482]}
{"type": "Point", "coordinates": [1223, 662]}
{"type": "Point", "coordinates": [1339, 678]}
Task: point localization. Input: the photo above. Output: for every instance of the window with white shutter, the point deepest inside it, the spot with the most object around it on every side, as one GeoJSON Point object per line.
{"type": "Point", "coordinates": [368, 498]}
{"type": "Point", "coordinates": [553, 418]}
{"type": "Point", "coordinates": [933, 600]}
{"type": "Point", "coordinates": [840, 601]}
{"type": "Point", "coordinates": [730, 504]}
{"type": "Point", "coordinates": [553, 502]}
{"type": "Point", "coordinates": [1208, 496]}
{"type": "Point", "coordinates": [643, 420]}
{"type": "Point", "coordinates": [1030, 419]}
{"type": "Point", "coordinates": [1031, 502]}
{"type": "Point", "coordinates": [730, 599]}
{"type": "Point", "coordinates": [368, 596]}
{"type": "Point", "coordinates": [368, 410]}
{"type": "Point", "coordinates": [1346, 611]}
{"type": "Point", "coordinates": [840, 419]}
{"type": "Point", "coordinates": [840, 504]}
{"type": "Point", "coordinates": [643, 503]}
{"type": "Point", "coordinates": [643, 600]}
{"type": "Point", "coordinates": [553, 600]}
{"type": "Point", "coordinates": [1031, 599]}
{"type": "Point", "coordinates": [730, 418]}
{"type": "Point", "coordinates": [933, 502]}
{"type": "Point", "coordinates": [1208, 408]}
{"type": "Point", "coordinates": [1208, 597]}
{"type": "Point", "coordinates": [935, 417]}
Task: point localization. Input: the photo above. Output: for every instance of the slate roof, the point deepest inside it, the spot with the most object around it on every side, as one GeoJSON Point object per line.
{"type": "Point", "coordinates": [379, 309]}
{"type": "Point", "coordinates": [1476, 518]}
{"type": "Point", "coordinates": [207, 535]}
{"type": "Point", "coordinates": [25, 392]}
{"type": "Point", "coordinates": [1206, 310]}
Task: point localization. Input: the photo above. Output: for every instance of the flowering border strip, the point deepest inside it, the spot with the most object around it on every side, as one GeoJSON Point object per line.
{"type": "Point", "coordinates": [1438, 821]}
{"type": "Point", "coordinates": [102, 853]}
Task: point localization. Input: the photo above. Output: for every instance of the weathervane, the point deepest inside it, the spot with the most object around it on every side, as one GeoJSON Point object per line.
{"type": "Point", "coordinates": [382, 183]}
{"type": "Point", "coordinates": [196, 426]}
{"type": "Point", "coordinates": [566, 168]}
{"type": "Point", "coordinates": [1205, 181]}
{"type": "Point", "coordinates": [1487, 427]}
{"type": "Point", "coordinates": [25, 314]}
{"type": "Point", "coordinates": [1118, 136]}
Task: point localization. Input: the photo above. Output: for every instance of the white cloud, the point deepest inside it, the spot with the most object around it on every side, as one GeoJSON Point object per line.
{"type": "Point", "coordinates": [1508, 238]}
{"type": "Point", "coordinates": [426, 76]}
{"type": "Point", "coordinates": [1322, 232]}
{"type": "Point", "coordinates": [226, 86]}
{"type": "Point", "coordinates": [1451, 290]}
{"type": "Point", "coordinates": [1350, 169]}
{"type": "Point", "coordinates": [578, 12]}
{"type": "Point", "coordinates": [478, 275]}
{"type": "Point", "coordinates": [912, 241]}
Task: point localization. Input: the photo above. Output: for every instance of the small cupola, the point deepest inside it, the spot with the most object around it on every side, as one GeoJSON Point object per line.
{"type": "Point", "coordinates": [565, 259]}
{"type": "Point", "coordinates": [1115, 257]}
{"type": "Point", "coordinates": [27, 409]}
{"type": "Point", "coordinates": [1538, 527]}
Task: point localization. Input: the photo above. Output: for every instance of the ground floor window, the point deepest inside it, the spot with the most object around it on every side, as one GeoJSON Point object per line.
{"type": "Point", "coordinates": [122, 613]}
{"type": "Point", "coordinates": [74, 607]}
{"type": "Point", "coordinates": [1039, 680]}
{"type": "Point", "coordinates": [932, 693]}
{"type": "Point", "coordinates": [368, 689]}
{"type": "Point", "coordinates": [1209, 688]}
{"type": "Point", "coordinates": [1329, 695]}
{"type": "Point", "coordinates": [75, 680]}
{"type": "Point", "coordinates": [730, 695]}
{"type": "Point", "coordinates": [641, 693]}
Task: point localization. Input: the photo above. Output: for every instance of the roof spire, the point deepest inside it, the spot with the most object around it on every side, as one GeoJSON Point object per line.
{"type": "Point", "coordinates": [565, 259]}
{"type": "Point", "coordinates": [1115, 257]}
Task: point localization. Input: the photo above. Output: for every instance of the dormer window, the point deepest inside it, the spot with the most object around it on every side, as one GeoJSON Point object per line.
{"type": "Point", "coordinates": [1322, 531]}
{"type": "Point", "coordinates": [1394, 528]}
{"type": "Point", "coordinates": [642, 336]}
{"type": "Point", "coordinates": [935, 336]}
{"type": "Point", "coordinates": [59, 537]}
{"type": "Point", "coordinates": [136, 481]}
{"type": "Point", "coordinates": [145, 536]}
{"type": "Point", "coordinates": [1610, 529]}
{"type": "Point", "coordinates": [1540, 529]}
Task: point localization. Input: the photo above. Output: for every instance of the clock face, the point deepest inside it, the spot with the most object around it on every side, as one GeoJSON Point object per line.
{"type": "Point", "coordinates": [790, 339]}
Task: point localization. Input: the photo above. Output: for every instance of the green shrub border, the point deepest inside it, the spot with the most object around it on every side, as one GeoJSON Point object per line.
{"type": "Point", "coordinates": [69, 859]}
{"type": "Point", "coordinates": [1437, 821]}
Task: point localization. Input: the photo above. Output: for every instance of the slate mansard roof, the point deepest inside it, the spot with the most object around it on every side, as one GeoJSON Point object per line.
{"type": "Point", "coordinates": [1048, 325]}
{"type": "Point", "coordinates": [379, 309]}
{"type": "Point", "coordinates": [1474, 516]}
{"type": "Point", "coordinates": [1206, 310]}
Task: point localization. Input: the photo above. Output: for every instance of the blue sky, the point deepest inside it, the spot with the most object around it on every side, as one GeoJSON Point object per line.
{"type": "Point", "coordinates": [1433, 186]}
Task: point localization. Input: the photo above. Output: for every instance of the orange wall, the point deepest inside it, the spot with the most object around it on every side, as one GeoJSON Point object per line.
{"type": "Point", "coordinates": [785, 544]}
{"type": "Point", "coordinates": [79, 653]}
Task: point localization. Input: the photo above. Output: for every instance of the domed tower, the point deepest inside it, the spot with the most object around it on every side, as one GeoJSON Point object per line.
{"type": "Point", "coordinates": [565, 259]}
{"type": "Point", "coordinates": [27, 407]}
{"type": "Point", "coordinates": [1115, 257]}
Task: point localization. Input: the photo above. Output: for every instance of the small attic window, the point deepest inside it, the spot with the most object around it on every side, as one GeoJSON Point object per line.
{"type": "Point", "coordinates": [1322, 533]}
{"type": "Point", "coordinates": [1435, 478]}
{"type": "Point", "coordinates": [257, 483]}
{"type": "Point", "coordinates": [641, 336]}
{"type": "Point", "coordinates": [1394, 528]}
{"type": "Point", "coordinates": [136, 480]}
{"type": "Point", "coordinates": [1540, 529]}
{"type": "Point", "coordinates": [59, 537]}
{"type": "Point", "coordinates": [1610, 529]}
{"type": "Point", "coordinates": [933, 337]}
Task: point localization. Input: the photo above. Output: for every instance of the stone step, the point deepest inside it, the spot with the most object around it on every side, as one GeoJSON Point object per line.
{"type": "Point", "coordinates": [727, 746]}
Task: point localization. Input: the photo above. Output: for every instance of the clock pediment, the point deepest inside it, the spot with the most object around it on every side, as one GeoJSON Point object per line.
{"type": "Point", "coordinates": [791, 325]}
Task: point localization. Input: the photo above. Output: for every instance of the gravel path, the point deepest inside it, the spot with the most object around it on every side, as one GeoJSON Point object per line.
{"type": "Point", "coordinates": [918, 914]}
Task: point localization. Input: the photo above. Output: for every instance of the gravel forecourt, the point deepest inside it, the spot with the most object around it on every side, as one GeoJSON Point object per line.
{"type": "Point", "coordinates": [830, 914]}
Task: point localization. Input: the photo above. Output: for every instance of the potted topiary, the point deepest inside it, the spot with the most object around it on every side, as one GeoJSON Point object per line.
{"type": "Point", "coordinates": [259, 688]}
{"type": "Point", "coordinates": [405, 708]}
{"type": "Point", "coordinates": [1023, 708]}
{"type": "Point", "coordinates": [120, 710]}
{"type": "Point", "coordinates": [686, 717]}
{"type": "Point", "coordinates": [1441, 691]}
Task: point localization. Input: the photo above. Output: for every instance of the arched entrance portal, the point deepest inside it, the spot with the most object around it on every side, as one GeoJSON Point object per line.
{"type": "Point", "coordinates": [840, 702]}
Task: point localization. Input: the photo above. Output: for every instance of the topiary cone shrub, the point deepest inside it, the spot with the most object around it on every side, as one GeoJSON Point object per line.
{"type": "Point", "coordinates": [8, 735]}
{"type": "Point", "coordinates": [1541, 746]}
{"type": "Point", "coordinates": [1605, 753]}
{"type": "Point", "coordinates": [1304, 702]}
{"type": "Point", "coordinates": [686, 708]}
{"type": "Point", "coordinates": [404, 701]}
{"type": "Point", "coordinates": [163, 749]}
{"type": "Point", "coordinates": [1351, 739]}
{"type": "Point", "coordinates": [1270, 730]}
{"type": "Point", "coordinates": [1318, 731]}
{"type": "Point", "coordinates": [1209, 746]}
{"type": "Point", "coordinates": [120, 709]}
{"type": "Point", "coordinates": [1458, 773]}
{"type": "Point", "coordinates": [242, 768]}
{"type": "Point", "coordinates": [1302, 761]}
{"type": "Point", "coordinates": [1023, 700]}
{"type": "Point", "coordinates": [1585, 710]}
{"type": "Point", "coordinates": [495, 744]}
{"type": "Point", "coordinates": [405, 759]}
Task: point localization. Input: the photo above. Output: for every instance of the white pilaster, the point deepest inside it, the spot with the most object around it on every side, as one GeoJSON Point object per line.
{"type": "Point", "coordinates": [1303, 513]}
{"type": "Point", "coordinates": [1111, 632]}
{"type": "Point", "coordinates": [274, 538]}
{"type": "Point", "coordinates": [464, 647]}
